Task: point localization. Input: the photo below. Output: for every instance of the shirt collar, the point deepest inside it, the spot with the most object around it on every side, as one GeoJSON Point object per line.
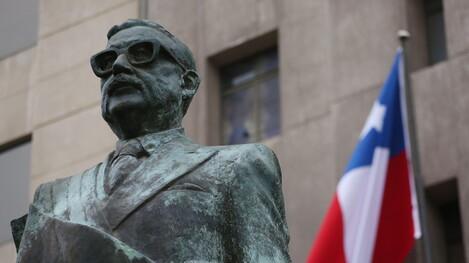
{"type": "Point", "coordinates": [152, 141]}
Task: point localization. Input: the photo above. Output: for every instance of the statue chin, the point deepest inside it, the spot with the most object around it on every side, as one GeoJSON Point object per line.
{"type": "Point", "coordinates": [120, 104]}
{"type": "Point", "coordinates": [126, 114]}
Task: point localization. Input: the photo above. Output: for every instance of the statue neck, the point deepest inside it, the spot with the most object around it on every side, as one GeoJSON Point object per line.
{"type": "Point", "coordinates": [136, 125]}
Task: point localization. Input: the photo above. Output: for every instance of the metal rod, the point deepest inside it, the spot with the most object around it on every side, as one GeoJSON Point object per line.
{"type": "Point", "coordinates": [426, 245]}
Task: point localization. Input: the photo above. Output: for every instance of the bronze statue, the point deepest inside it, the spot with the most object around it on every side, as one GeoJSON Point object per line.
{"type": "Point", "coordinates": [158, 197]}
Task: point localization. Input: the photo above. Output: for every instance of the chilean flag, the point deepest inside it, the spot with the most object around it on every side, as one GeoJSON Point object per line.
{"type": "Point", "coordinates": [374, 216]}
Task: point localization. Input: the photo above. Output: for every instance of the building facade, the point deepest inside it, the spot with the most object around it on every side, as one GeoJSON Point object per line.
{"type": "Point", "coordinates": [299, 76]}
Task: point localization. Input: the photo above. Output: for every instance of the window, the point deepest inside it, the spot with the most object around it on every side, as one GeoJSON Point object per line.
{"type": "Point", "coordinates": [445, 224]}
{"type": "Point", "coordinates": [250, 99]}
{"type": "Point", "coordinates": [436, 36]}
{"type": "Point", "coordinates": [451, 219]}
{"type": "Point", "coordinates": [14, 185]}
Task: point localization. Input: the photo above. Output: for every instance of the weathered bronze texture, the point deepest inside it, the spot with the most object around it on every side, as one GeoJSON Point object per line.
{"type": "Point", "coordinates": [158, 197]}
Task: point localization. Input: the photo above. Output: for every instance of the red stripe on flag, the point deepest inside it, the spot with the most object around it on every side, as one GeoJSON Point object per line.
{"type": "Point", "coordinates": [329, 244]}
{"type": "Point", "coordinates": [395, 236]}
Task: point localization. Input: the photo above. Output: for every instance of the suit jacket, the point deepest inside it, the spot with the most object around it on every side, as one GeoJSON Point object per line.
{"type": "Point", "coordinates": [184, 203]}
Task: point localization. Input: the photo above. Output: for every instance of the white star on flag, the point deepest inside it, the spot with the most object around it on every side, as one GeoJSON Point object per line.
{"type": "Point", "coordinates": [375, 119]}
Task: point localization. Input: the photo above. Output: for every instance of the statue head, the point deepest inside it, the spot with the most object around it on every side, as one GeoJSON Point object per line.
{"type": "Point", "coordinates": [148, 79]}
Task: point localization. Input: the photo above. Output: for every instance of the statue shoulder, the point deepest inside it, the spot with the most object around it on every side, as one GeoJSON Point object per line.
{"type": "Point", "coordinates": [243, 151]}
{"type": "Point", "coordinates": [250, 160]}
{"type": "Point", "coordinates": [49, 192]}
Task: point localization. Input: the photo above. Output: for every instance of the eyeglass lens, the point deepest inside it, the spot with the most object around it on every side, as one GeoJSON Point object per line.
{"type": "Point", "coordinates": [105, 60]}
{"type": "Point", "coordinates": [138, 53]}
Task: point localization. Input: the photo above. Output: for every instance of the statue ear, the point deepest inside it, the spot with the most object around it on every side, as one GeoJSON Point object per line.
{"type": "Point", "coordinates": [190, 83]}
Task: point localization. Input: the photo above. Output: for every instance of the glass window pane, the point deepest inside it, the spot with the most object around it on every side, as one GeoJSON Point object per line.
{"type": "Point", "coordinates": [268, 62]}
{"type": "Point", "coordinates": [248, 69]}
{"type": "Point", "coordinates": [243, 78]}
{"type": "Point", "coordinates": [270, 108]}
{"type": "Point", "coordinates": [238, 74]}
{"type": "Point", "coordinates": [239, 119]}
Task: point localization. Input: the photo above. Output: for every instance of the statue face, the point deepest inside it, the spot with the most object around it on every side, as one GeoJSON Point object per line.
{"type": "Point", "coordinates": [139, 78]}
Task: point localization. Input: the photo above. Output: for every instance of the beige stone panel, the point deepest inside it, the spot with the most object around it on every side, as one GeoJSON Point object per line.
{"type": "Point", "coordinates": [229, 23]}
{"type": "Point", "coordinates": [457, 26]}
{"type": "Point", "coordinates": [305, 69]}
{"type": "Point", "coordinates": [436, 121]}
{"type": "Point", "coordinates": [56, 15]}
{"type": "Point", "coordinates": [169, 13]}
{"type": "Point", "coordinates": [306, 156]}
{"type": "Point", "coordinates": [61, 51]}
{"type": "Point", "coordinates": [299, 10]}
{"type": "Point", "coordinates": [349, 118]}
{"type": "Point", "coordinates": [14, 117]}
{"type": "Point", "coordinates": [63, 94]}
{"type": "Point", "coordinates": [70, 140]}
{"type": "Point", "coordinates": [459, 70]}
{"type": "Point", "coordinates": [69, 170]}
{"type": "Point", "coordinates": [364, 42]}
{"type": "Point", "coordinates": [14, 73]}
{"type": "Point", "coordinates": [7, 252]}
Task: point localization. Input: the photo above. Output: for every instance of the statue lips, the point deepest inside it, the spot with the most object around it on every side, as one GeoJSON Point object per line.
{"type": "Point", "coordinates": [123, 85]}
{"type": "Point", "coordinates": [123, 90]}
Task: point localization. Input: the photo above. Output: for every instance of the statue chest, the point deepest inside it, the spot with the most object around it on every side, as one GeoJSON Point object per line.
{"type": "Point", "coordinates": [176, 225]}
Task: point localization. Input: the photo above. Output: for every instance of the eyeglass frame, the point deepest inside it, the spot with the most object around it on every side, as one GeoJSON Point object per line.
{"type": "Point", "coordinates": [124, 50]}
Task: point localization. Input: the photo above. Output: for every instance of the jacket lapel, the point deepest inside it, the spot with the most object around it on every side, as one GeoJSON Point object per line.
{"type": "Point", "coordinates": [169, 163]}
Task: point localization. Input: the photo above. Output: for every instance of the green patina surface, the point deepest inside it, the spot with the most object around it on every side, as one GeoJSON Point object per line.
{"type": "Point", "coordinates": [183, 202]}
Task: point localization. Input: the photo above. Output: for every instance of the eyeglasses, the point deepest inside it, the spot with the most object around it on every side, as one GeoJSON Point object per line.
{"type": "Point", "coordinates": [138, 54]}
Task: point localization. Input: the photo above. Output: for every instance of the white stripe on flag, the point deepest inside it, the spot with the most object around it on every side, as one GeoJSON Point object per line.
{"type": "Point", "coordinates": [360, 194]}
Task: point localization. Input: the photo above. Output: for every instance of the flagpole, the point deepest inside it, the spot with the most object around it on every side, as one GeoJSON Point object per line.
{"type": "Point", "coordinates": [404, 36]}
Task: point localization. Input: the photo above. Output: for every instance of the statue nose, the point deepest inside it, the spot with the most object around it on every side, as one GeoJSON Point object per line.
{"type": "Point", "coordinates": [121, 65]}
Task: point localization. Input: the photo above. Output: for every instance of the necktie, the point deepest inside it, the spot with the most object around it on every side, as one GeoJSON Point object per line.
{"type": "Point", "coordinates": [127, 159]}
